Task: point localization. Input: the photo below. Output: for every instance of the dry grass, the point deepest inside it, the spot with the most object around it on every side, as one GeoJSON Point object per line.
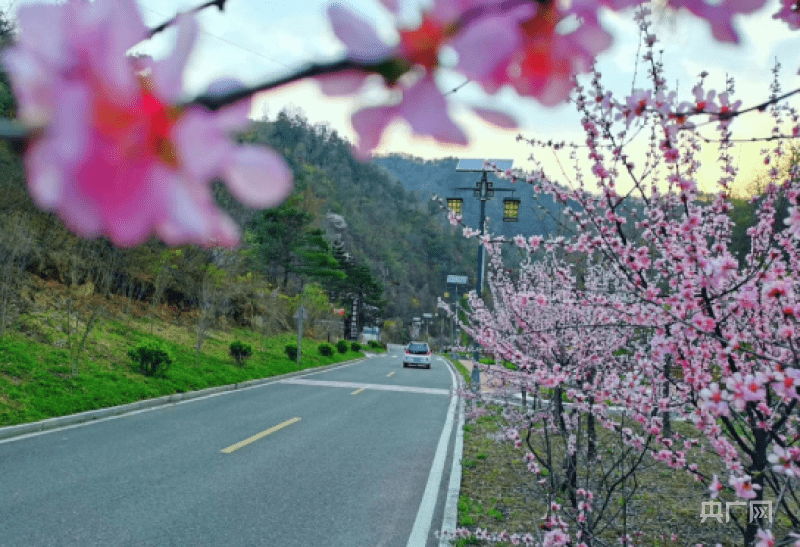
{"type": "Point", "coordinates": [499, 493]}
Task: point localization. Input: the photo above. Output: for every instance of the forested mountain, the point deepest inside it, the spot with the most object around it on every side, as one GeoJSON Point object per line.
{"type": "Point", "coordinates": [406, 242]}
{"type": "Point", "coordinates": [348, 227]}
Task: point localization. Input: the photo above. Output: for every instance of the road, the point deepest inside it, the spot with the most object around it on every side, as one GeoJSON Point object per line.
{"type": "Point", "coordinates": [334, 458]}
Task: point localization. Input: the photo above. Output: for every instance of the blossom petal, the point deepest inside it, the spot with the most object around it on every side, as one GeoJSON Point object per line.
{"type": "Point", "coordinates": [425, 108]}
{"type": "Point", "coordinates": [168, 74]}
{"type": "Point", "coordinates": [363, 43]}
{"type": "Point", "coordinates": [341, 84]}
{"type": "Point", "coordinates": [370, 123]}
{"type": "Point", "coordinates": [45, 179]}
{"type": "Point", "coordinates": [198, 138]}
{"type": "Point", "coordinates": [495, 117]}
{"type": "Point", "coordinates": [233, 117]}
{"type": "Point", "coordinates": [37, 24]}
{"type": "Point", "coordinates": [121, 28]}
{"type": "Point", "coordinates": [475, 60]}
{"type": "Point", "coordinates": [258, 177]}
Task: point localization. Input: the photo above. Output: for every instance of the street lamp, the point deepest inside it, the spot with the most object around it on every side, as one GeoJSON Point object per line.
{"type": "Point", "coordinates": [456, 205]}
{"type": "Point", "coordinates": [510, 210]}
{"type": "Point", "coordinates": [484, 190]}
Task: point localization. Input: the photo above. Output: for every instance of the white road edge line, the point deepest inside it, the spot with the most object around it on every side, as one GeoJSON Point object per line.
{"type": "Point", "coordinates": [450, 518]}
{"type": "Point", "coordinates": [422, 524]}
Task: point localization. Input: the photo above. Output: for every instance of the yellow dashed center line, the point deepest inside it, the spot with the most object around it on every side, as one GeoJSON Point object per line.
{"type": "Point", "coordinates": [254, 438]}
{"type": "Point", "coordinates": [390, 374]}
{"type": "Point", "coordinates": [356, 392]}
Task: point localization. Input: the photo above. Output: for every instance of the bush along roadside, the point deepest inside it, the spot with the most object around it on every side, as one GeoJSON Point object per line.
{"type": "Point", "coordinates": [124, 363]}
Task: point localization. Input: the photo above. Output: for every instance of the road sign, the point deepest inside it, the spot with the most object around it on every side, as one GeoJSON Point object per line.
{"type": "Point", "coordinates": [457, 279]}
{"type": "Point", "coordinates": [301, 312]}
{"type": "Point", "coordinates": [427, 315]}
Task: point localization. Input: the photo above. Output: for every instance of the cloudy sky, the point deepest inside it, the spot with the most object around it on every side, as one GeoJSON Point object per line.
{"type": "Point", "coordinates": [255, 40]}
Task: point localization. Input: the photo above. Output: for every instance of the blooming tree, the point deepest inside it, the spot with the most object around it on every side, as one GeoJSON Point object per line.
{"type": "Point", "coordinates": [689, 331]}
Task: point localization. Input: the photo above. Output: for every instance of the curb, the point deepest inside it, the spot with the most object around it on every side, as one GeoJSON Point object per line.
{"type": "Point", "coordinates": [48, 424]}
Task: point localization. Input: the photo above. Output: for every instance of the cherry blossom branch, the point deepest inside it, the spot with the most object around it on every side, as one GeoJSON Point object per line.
{"type": "Point", "coordinates": [220, 4]}
{"type": "Point", "coordinates": [726, 116]}
{"type": "Point", "coordinates": [14, 132]}
{"type": "Point", "coordinates": [388, 68]}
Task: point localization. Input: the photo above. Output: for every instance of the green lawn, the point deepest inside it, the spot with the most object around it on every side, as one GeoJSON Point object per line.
{"type": "Point", "coordinates": [36, 380]}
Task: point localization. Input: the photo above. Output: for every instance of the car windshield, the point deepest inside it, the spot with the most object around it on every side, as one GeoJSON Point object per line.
{"type": "Point", "coordinates": [418, 348]}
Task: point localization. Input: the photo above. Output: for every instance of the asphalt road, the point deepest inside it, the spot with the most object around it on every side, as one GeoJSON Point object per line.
{"type": "Point", "coordinates": [339, 458]}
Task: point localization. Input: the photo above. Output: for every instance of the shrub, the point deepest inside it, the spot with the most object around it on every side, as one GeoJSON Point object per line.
{"type": "Point", "coordinates": [326, 350]}
{"type": "Point", "coordinates": [291, 351]}
{"type": "Point", "coordinates": [241, 352]}
{"type": "Point", "coordinates": [341, 346]}
{"type": "Point", "coordinates": [374, 344]}
{"type": "Point", "coordinates": [153, 357]}
{"type": "Point", "coordinates": [355, 346]}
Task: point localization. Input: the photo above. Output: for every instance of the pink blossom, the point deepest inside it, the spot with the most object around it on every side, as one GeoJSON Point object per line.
{"type": "Point", "coordinates": [720, 14]}
{"type": "Point", "coordinates": [414, 60]}
{"type": "Point", "coordinates": [789, 14]}
{"type": "Point", "coordinates": [546, 61]}
{"type": "Point", "coordinates": [714, 400]}
{"type": "Point", "coordinates": [453, 218]}
{"type": "Point", "coordinates": [776, 288]}
{"type": "Point", "coordinates": [754, 387]}
{"type": "Point", "coordinates": [555, 538]}
{"type": "Point", "coordinates": [423, 106]}
{"type": "Point", "coordinates": [764, 538]}
{"type": "Point", "coordinates": [786, 382]}
{"type": "Point", "coordinates": [744, 487]}
{"type": "Point", "coordinates": [793, 221]}
{"type": "Point", "coordinates": [636, 105]}
{"type": "Point", "coordinates": [783, 461]}
{"type": "Point", "coordinates": [113, 156]}
{"type": "Point", "coordinates": [715, 487]}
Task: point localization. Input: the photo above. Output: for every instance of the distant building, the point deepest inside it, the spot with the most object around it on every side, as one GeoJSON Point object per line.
{"type": "Point", "coordinates": [369, 333]}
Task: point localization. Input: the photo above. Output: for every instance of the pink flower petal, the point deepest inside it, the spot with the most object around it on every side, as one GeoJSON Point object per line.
{"type": "Point", "coordinates": [425, 108]}
{"type": "Point", "coordinates": [495, 117]}
{"type": "Point", "coordinates": [369, 124]}
{"type": "Point", "coordinates": [45, 178]}
{"type": "Point", "coordinates": [32, 86]}
{"type": "Point", "coordinates": [168, 75]}
{"type": "Point", "coordinates": [122, 29]}
{"type": "Point", "coordinates": [234, 117]}
{"type": "Point", "coordinates": [342, 84]}
{"type": "Point", "coordinates": [186, 220]}
{"type": "Point", "coordinates": [475, 60]}
{"type": "Point", "coordinates": [363, 43]}
{"type": "Point", "coordinates": [225, 232]}
{"type": "Point", "coordinates": [37, 24]}
{"type": "Point", "coordinates": [258, 177]}
{"type": "Point", "coordinates": [199, 138]}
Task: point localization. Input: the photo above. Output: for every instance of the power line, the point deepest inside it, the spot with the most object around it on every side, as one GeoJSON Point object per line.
{"type": "Point", "coordinates": [221, 39]}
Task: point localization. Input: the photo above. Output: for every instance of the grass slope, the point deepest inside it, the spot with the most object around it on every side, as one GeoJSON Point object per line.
{"type": "Point", "coordinates": [37, 381]}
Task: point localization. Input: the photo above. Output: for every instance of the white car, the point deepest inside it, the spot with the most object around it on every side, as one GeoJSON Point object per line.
{"type": "Point", "coordinates": [417, 354]}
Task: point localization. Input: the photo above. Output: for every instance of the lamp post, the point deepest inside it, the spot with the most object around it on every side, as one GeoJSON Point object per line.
{"type": "Point", "coordinates": [484, 190]}
{"type": "Point", "coordinates": [455, 280]}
